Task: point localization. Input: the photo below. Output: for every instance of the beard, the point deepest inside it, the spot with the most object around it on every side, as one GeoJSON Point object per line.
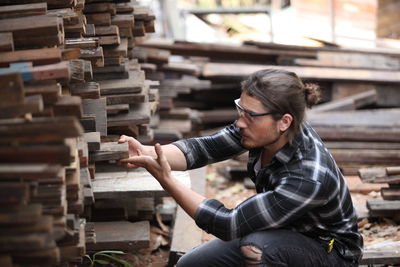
{"type": "Point", "coordinates": [248, 144]}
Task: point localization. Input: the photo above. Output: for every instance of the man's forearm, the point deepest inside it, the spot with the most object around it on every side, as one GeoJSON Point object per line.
{"type": "Point", "coordinates": [176, 158]}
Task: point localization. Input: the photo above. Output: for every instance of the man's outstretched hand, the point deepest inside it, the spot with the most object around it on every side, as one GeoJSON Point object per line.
{"type": "Point", "coordinates": [135, 149]}
{"type": "Point", "coordinates": [158, 167]}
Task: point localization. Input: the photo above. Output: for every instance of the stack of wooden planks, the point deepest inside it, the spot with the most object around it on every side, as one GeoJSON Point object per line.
{"type": "Point", "coordinates": [358, 117]}
{"type": "Point", "coordinates": [389, 204]}
{"type": "Point", "coordinates": [69, 84]}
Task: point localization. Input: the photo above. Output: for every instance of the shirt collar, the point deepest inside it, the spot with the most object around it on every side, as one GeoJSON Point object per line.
{"type": "Point", "coordinates": [289, 150]}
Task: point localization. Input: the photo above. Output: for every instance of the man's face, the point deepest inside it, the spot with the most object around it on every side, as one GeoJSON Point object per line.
{"type": "Point", "coordinates": [259, 130]}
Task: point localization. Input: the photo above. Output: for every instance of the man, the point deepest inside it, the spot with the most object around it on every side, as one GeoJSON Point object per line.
{"type": "Point", "coordinates": [302, 214]}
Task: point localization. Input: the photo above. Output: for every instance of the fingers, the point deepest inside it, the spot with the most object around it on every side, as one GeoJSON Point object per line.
{"type": "Point", "coordinates": [161, 159]}
{"type": "Point", "coordinates": [123, 139]}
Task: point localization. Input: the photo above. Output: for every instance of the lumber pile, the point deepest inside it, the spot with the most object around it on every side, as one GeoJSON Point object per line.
{"type": "Point", "coordinates": [389, 204]}
{"type": "Point", "coordinates": [358, 117]}
{"type": "Point", "coordinates": [69, 86]}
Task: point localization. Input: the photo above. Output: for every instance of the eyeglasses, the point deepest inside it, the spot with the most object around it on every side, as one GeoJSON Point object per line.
{"type": "Point", "coordinates": [248, 114]}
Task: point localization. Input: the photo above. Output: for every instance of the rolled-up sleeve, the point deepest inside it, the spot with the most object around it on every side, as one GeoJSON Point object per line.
{"type": "Point", "coordinates": [209, 149]}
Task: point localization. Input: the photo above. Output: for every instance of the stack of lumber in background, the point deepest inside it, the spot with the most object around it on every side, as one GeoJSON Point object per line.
{"type": "Point", "coordinates": [42, 149]}
{"type": "Point", "coordinates": [359, 114]}
{"type": "Point", "coordinates": [389, 204]}
{"type": "Point", "coordinates": [70, 85]}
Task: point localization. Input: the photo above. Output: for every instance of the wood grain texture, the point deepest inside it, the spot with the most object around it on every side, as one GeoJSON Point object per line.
{"type": "Point", "coordinates": [121, 235]}
{"type": "Point", "coordinates": [116, 182]}
{"type": "Point", "coordinates": [110, 151]}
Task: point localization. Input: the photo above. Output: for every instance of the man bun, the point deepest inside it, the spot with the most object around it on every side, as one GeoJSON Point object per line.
{"type": "Point", "coordinates": [312, 94]}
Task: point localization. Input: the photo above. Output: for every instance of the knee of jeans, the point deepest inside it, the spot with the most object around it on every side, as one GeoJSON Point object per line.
{"type": "Point", "coordinates": [252, 255]}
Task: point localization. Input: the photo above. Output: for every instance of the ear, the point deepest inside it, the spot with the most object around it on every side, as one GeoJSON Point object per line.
{"type": "Point", "coordinates": [285, 122]}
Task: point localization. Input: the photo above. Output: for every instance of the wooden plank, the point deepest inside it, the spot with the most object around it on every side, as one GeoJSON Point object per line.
{"type": "Point", "coordinates": [116, 109]}
{"type": "Point", "coordinates": [12, 11]}
{"type": "Point", "coordinates": [97, 107]}
{"type": "Point", "coordinates": [14, 193]}
{"type": "Point", "coordinates": [39, 130]}
{"type": "Point", "coordinates": [49, 28]}
{"type": "Point", "coordinates": [93, 140]}
{"type": "Point", "coordinates": [100, 19]}
{"type": "Point", "coordinates": [139, 114]}
{"type": "Point", "coordinates": [378, 175]}
{"type": "Point", "coordinates": [88, 123]}
{"type": "Point", "coordinates": [44, 257]}
{"type": "Point", "coordinates": [107, 30]}
{"type": "Point", "coordinates": [70, 16]}
{"type": "Point", "coordinates": [184, 225]}
{"type": "Point", "coordinates": [371, 257]}
{"type": "Point", "coordinates": [117, 99]}
{"type": "Point", "coordinates": [115, 182]}
{"type": "Point", "coordinates": [6, 41]}
{"type": "Point", "coordinates": [133, 84]}
{"type": "Point", "coordinates": [111, 40]}
{"type": "Point", "coordinates": [11, 90]}
{"type": "Point", "coordinates": [337, 59]}
{"type": "Point", "coordinates": [111, 75]}
{"type": "Point", "coordinates": [90, 30]}
{"type": "Point", "coordinates": [41, 153]}
{"type": "Point", "coordinates": [100, 8]}
{"type": "Point", "coordinates": [352, 102]}
{"type": "Point", "coordinates": [120, 50]}
{"type": "Point", "coordinates": [39, 73]}
{"type": "Point", "coordinates": [393, 170]}
{"type": "Point", "coordinates": [68, 106]}
{"type": "Point", "coordinates": [36, 56]}
{"type": "Point", "coordinates": [385, 208]}
{"type": "Point", "coordinates": [32, 104]}
{"type": "Point", "coordinates": [71, 53]}
{"type": "Point", "coordinates": [31, 172]}
{"type": "Point", "coordinates": [390, 193]}
{"type": "Point", "coordinates": [110, 151]}
{"type": "Point", "coordinates": [389, 157]}
{"type": "Point", "coordinates": [50, 91]}
{"type": "Point", "coordinates": [121, 235]}
{"type": "Point", "coordinates": [84, 43]}
{"type": "Point", "coordinates": [107, 69]}
{"type": "Point", "coordinates": [28, 214]}
{"type": "Point", "coordinates": [241, 71]}
{"type": "Point", "coordinates": [86, 90]}
{"type": "Point", "coordinates": [94, 55]}
{"type": "Point", "coordinates": [123, 20]}
{"type": "Point", "coordinates": [37, 25]}
{"type": "Point", "coordinates": [226, 52]}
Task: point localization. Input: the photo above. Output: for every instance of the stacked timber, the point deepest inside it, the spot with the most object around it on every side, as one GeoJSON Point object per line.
{"type": "Point", "coordinates": [69, 82]}
{"type": "Point", "coordinates": [43, 154]}
{"type": "Point", "coordinates": [358, 117]}
{"type": "Point", "coordinates": [389, 204]}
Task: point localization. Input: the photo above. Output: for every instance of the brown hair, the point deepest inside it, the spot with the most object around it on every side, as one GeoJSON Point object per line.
{"type": "Point", "coordinates": [282, 92]}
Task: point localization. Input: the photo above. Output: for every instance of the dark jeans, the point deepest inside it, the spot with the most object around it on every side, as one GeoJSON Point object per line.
{"type": "Point", "coordinates": [279, 248]}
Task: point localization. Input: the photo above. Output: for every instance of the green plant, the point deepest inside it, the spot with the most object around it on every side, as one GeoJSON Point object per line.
{"type": "Point", "coordinates": [106, 253]}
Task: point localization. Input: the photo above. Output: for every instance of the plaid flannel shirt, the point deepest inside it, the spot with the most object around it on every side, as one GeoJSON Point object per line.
{"type": "Point", "coordinates": [302, 189]}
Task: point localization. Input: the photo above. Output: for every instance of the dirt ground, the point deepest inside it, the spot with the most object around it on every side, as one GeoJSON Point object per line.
{"type": "Point", "coordinates": [376, 232]}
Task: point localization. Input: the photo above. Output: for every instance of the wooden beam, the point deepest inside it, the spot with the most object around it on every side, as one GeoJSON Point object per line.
{"type": "Point", "coordinates": [241, 71]}
{"type": "Point", "coordinates": [39, 130]}
{"type": "Point", "coordinates": [6, 41]}
{"type": "Point", "coordinates": [110, 151]}
{"type": "Point", "coordinates": [12, 11]}
{"type": "Point", "coordinates": [120, 235]}
{"type": "Point", "coordinates": [46, 72]}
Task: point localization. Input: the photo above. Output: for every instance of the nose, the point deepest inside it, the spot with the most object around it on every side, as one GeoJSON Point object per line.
{"type": "Point", "coordinates": [240, 123]}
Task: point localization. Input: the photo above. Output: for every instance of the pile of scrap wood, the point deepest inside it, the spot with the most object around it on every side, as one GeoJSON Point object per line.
{"type": "Point", "coordinates": [389, 204]}
{"type": "Point", "coordinates": [359, 114]}
{"type": "Point", "coordinates": [70, 83]}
